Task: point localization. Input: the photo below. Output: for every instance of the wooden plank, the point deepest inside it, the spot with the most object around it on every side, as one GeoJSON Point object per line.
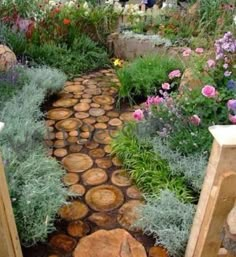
{"type": "Point", "coordinates": [9, 240]}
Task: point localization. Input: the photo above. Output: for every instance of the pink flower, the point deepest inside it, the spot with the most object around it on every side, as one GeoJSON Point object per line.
{"type": "Point", "coordinates": [209, 91]}
{"type": "Point", "coordinates": [187, 52]}
{"type": "Point", "coordinates": [138, 114]}
{"type": "Point", "coordinates": [211, 63]}
{"type": "Point", "coordinates": [165, 86]}
{"type": "Point", "coordinates": [175, 74]}
{"type": "Point", "coordinates": [227, 73]}
{"type": "Point", "coordinates": [154, 100]}
{"type": "Point", "coordinates": [199, 50]}
{"type": "Point", "coordinates": [232, 118]}
{"type": "Point", "coordinates": [231, 104]}
{"type": "Point", "coordinates": [195, 120]}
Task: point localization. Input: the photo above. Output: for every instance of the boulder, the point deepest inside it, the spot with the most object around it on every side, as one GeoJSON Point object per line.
{"type": "Point", "coordinates": [7, 58]}
{"type": "Point", "coordinates": [113, 243]}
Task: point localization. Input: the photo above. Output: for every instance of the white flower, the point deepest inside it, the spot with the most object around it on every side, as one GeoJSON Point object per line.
{"type": "Point", "coordinates": [117, 7]}
{"type": "Point", "coordinates": [109, 2]}
{"type": "Point", "coordinates": [235, 19]}
{"type": "Point", "coordinates": [86, 6]}
{"type": "Point", "coordinates": [52, 3]}
{"type": "Point", "coordinates": [70, 4]}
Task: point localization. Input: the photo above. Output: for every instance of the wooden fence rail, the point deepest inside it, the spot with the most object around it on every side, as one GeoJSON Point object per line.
{"type": "Point", "coordinates": [9, 240]}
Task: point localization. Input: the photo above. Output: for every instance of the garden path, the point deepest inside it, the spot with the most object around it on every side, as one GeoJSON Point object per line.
{"type": "Point", "coordinates": [81, 124]}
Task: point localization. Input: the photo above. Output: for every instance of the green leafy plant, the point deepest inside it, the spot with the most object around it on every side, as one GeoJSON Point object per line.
{"type": "Point", "coordinates": [167, 219]}
{"type": "Point", "coordinates": [34, 179]}
{"type": "Point", "coordinates": [145, 75]}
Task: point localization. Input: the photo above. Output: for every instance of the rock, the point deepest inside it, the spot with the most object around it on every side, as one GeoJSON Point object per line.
{"type": "Point", "coordinates": [113, 243]}
{"type": "Point", "coordinates": [7, 58]}
{"type": "Point", "coordinates": [157, 251]}
{"type": "Point", "coordinates": [189, 80]}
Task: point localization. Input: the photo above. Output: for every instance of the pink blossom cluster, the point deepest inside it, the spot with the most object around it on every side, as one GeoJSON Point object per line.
{"type": "Point", "coordinates": [209, 91]}
{"type": "Point", "coordinates": [153, 100]}
{"type": "Point", "coordinates": [174, 74]}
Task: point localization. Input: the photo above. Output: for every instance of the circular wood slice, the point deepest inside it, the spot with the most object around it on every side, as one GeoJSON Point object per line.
{"type": "Point", "coordinates": [73, 211]}
{"type": "Point", "coordinates": [95, 105]}
{"type": "Point", "coordinates": [87, 128]}
{"type": "Point", "coordinates": [115, 122]}
{"type": "Point", "coordinates": [116, 162]}
{"type": "Point", "coordinates": [69, 83]}
{"type": "Point", "coordinates": [59, 114]}
{"type": "Point", "coordinates": [133, 192]}
{"type": "Point", "coordinates": [65, 102]}
{"type": "Point", "coordinates": [108, 149]}
{"type": "Point", "coordinates": [107, 107]}
{"type": "Point", "coordinates": [93, 91]}
{"type": "Point", "coordinates": [103, 99]}
{"type": "Point", "coordinates": [127, 116]}
{"type": "Point", "coordinates": [91, 145]}
{"type": "Point", "coordinates": [87, 96]}
{"type": "Point", "coordinates": [81, 115]}
{"type": "Point", "coordinates": [92, 86]}
{"type": "Point", "coordinates": [77, 96]}
{"type": "Point", "coordinates": [127, 214]}
{"type": "Point", "coordinates": [74, 133]}
{"type": "Point", "coordinates": [60, 143]}
{"type": "Point", "coordinates": [96, 112]}
{"type": "Point", "coordinates": [75, 148]}
{"type": "Point", "coordinates": [89, 120]}
{"type": "Point", "coordinates": [77, 189]}
{"type": "Point", "coordinates": [65, 95]}
{"type": "Point", "coordinates": [85, 135]}
{"type": "Point", "coordinates": [63, 242]}
{"type": "Point", "coordinates": [102, 119]}
{"type": "Point", "coordinates": [77, 162]}
{"type": "Point", "coordinates": [78, 228]}
{"type": "Point", "coordinates": [94, 177]}
{"type": "Point", "coordinates": [120, 178]}
{"type": "Point", "coordinates": [70, 179]}
{"type": "Point", "coordinates": [72, 140]}
{"type": "Point", "coordinates": [104, 163]}
{"type": "Point", "coordinates": [104, 198]}
{"type": "Point", "coordinates": [100, 125]}
{"type": "Point", "coordinates": [50, 122]}
{"type": "Point", "coordinates": [81, 107]}
{"type": "Point", "coordinates": [50, 136]}
{"type": "Point", "coordinates": [114, 90]}
{"type": "Point", "coordinates": [78, 79]}
{"type": "Point", "coordinates": [60, 152]}
{"type": "Point", "coordinates": [69, 124]}
{"type": "Point", "coordinates": [157, 251]}
{"type": "Point", "coordinates": [102, 137]}
{"type": "Point", "coordinates": [113, 114]}
{"type": "Point", "coordinates": [61, 135]}
{"type": "Point", "coordinates": [103, 220]}
{"type": "Point", "coordinates": [74, 88]}
{"type": "Point", "coordinates": [96, 153]}
{"type": "Point", "coordinates": [86, 100]}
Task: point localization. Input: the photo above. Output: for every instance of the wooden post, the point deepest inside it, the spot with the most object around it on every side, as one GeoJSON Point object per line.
{"type": "Point", "coordinates": [205, 237]}
{"type": "Point", "coordinates": [9, 240]}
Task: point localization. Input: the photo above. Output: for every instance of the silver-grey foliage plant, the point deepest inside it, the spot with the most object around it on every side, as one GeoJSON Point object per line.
{"type": "Point", "coordinates": [34, 179]}
{"type": "Point", "coordinates": [167, 219]}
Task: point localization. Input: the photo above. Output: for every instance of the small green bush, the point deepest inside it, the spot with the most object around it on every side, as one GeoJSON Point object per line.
{"type": "Point", "coordinates": [34, 179]}
{"type": "Point", "coordinates": [167, 219]}
{"type": "Point", "coordinates": [144, 76]}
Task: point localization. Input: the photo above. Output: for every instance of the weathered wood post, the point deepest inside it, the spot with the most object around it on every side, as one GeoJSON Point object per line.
{"type": "Point", "coordinates": [9, 240]}
{"type": "Point", "coordinates": [217, 196]}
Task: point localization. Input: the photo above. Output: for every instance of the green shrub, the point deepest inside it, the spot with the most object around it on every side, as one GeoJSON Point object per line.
{"type": "Point", "coordinates": [34, 179]}
{"type": "Point", "coordinates": [148, 170]}
{"type": "Point", "coordinates": [144, 76]}
{"type": "Point", "coordinates": [167, 219]}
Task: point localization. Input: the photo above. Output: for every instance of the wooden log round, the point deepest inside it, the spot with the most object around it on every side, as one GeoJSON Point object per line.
{"type": "Point", "coordinates": [87, 96]}
{"type": "Point", "coordinates": [82, 107]}
{"type": "Point", "coordinates": [104, 198]}
{"type": "Point", "coordinates": [102, 137]}
{"type": "Point", "coordinates": [61, 135]}
{"type": "Point", "coordinates": [94, 177]}
{"type": "Point", "coordinates": [95, 112]}
{"type": "Point", "coordinates": [60, 143]}
{"type": "Point", "coordinates": [133, 192]}
{"type": "Point", "coordinates": [116, 161]}
{"type": "Point", "coordinates": [73, 211]}
{"type": "Point", "coordinates": [103, 99]}
{"type": "Point", "coordinates": [85, 135]}
{"type": "Point", "coordinates": [100, 125]}
{"type": "Point", "coordinates": [75, 148]}
{"type": "Point", "coordinates": [107, 107]}
{"type": "Point", "coordinates": [89, 120]}
{"type": "Point", "coordinates": [104, 163]}
{"type": "Point", "coordinates": [65, 102]}
{"type": "Point", "coordinates": [70, 179]}
{"type": "Point", "coordinates": [74, 88]}
{"type": "Point", "coordinates": [102, 119]}
{"type": "Point", "coordinates": [77, 162]}
{"type": "Point", "coordinates": [60, 152]}
{"type": "Point", "coordinates": [59, 114]}
{"type": "Point", "coordinates": [157, 251]}
{"type": "Point", "coordinates": [93, 91]}
{"type": "Point", "coordinates": [113, 114]}
{"type": "Point", "coordinates": [127, 116]}
{"type": "Point", "coordinates": [95, 105]}
{"type": "Point", "coordinates": [78, 228]}
{"type": "Point", "coordinates": [81, 115]}
{"type": "Point", "coordinates": [72, 140]}
{"type": "Point", "coordinates": [77, 189]}
{"type": "Point", "coordinates": [103, 220]}
{"type": "Point", "coordinates": [108, 149]}
{"type": "Point", "coordinates": [69, 124]}
{"type": "Point", "coordinates": [91, 145]}
{"type": "Point", "coordinates": [115, 122]}
{"type": "Point", "coordinates": [74, 133]}
{"type": "Point", "coordinates": [50, 122]}
{"type": "Point", "coordinates": [63, 242]}
{"type": "Point", "coordinates": [96, 153]}
{"type": "Point", "coordinates": [120, 178]}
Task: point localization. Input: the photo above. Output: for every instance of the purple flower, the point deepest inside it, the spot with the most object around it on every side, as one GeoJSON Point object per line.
{"type": "Point", "coordinates": [231, 84]}
{"type": "Point", "coordinates": [231, 104]}
{"type": "Point", "coordinates": [225, 66]}
{"type": "Point", "coordinates": [211, 63]}
{"type": "Point", "coordinates": [227, 73]}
